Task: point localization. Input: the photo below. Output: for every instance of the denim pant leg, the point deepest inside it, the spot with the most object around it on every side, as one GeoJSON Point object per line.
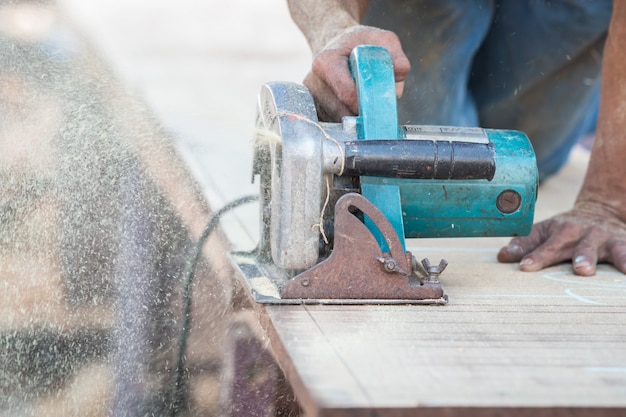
{"type": "Point", "coordinates": [440, 38]}
{"type": "Point", "coordinates": [538, 71]}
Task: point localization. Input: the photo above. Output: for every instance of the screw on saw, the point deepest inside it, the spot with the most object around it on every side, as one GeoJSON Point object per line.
{"type": "Point", "coordinates": [390, 265]}
{"type": "Point", "coordinates": [428, 270]}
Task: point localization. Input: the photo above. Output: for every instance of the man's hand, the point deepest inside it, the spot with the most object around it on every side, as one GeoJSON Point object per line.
{"type": "Point", "coordinates": [587, 234]}
{"type": "Point", "coordinates": [330, 80]}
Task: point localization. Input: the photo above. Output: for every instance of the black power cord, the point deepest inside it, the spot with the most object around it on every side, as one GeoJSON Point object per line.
{"type": "Point", "coordinates": [178, 387]}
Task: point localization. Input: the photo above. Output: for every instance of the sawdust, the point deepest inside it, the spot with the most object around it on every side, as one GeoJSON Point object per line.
{"type": "Point", "coordinates": [91, 251]}
{"type": "Point", "coordinates": [264, 138]}
{"type": "Point", "coordinates": [264, 286]}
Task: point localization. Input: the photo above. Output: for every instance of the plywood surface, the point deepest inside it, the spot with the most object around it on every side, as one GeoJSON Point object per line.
{"type": "Point", "coordinates": [546, 340]}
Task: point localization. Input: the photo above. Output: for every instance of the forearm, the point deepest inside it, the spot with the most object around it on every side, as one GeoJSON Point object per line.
{"type": "Point", "coordinates": [605, 181]}
{"type": "Point", "coordinates": [322, 20]}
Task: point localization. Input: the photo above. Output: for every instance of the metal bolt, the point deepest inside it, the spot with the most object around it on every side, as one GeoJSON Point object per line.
{"type": "Point", "coordinates": [508, 201]}
{"type": "Point", "coordinates": [390, 265]}
{"type": "Point", "coordinates": [305, 282]}
{"type": "Point", "coordinates": [434, 271]}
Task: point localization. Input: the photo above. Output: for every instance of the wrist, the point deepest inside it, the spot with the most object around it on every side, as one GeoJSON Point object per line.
{"type": "Point", "coordinates": [598, 190]}
{"type": "Point", "coordinates": [322, 38]}
{"type": "Point", "coordinates": [321, 21]}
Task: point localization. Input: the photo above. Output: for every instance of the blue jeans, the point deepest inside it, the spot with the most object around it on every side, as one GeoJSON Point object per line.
{"type": "Point", "coordinates": [526, 65]}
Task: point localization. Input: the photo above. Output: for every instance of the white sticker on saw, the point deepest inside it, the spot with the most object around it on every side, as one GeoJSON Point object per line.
{"type": "Point", "coordinates": [446, 133]}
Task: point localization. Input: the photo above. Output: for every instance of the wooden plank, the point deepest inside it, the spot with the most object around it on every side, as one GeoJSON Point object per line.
{"type": "Point", "coordinates": [505, 340]}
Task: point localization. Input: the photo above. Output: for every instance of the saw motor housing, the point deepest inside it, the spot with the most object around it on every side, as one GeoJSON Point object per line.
{"type": "Point", "coordinates": [428, 181]}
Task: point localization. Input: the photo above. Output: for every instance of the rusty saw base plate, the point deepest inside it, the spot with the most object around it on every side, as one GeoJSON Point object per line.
{"type": "Point", "coordinates": [265, 283]}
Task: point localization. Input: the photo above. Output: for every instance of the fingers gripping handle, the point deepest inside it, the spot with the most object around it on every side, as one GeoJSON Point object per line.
{"type": "Point", "coordinates": [372, 70]}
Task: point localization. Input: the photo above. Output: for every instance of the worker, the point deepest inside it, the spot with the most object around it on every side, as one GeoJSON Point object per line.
{"type": "Point", "coordinates": [552, 69]}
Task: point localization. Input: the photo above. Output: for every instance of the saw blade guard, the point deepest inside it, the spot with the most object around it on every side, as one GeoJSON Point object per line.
{"type": "Point", "coordinates": [288, 159]}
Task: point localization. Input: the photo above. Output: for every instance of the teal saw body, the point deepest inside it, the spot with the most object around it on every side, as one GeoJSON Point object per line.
{"type": "Point", "coordinates": [338, 200]}
{"type": "Point", "coordinates": [502, 206]}
{"type": "Point", "coordinates": [428, 181]}
{"type": "Point", "coordinates": [499, 206]}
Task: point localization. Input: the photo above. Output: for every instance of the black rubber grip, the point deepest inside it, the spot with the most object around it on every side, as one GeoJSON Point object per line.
{"type": "Point", "coordinates": [420, 159]}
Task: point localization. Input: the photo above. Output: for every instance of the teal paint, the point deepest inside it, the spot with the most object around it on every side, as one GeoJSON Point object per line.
{"type": "Point", "coordinates": [439, 208]}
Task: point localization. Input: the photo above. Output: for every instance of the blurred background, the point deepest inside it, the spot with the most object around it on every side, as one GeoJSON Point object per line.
{"type": "Point", "coordinates": [123, 125]}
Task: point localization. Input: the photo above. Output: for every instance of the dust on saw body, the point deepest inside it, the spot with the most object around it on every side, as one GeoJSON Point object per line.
{"type": "Point", "coordinates": [428, 181]}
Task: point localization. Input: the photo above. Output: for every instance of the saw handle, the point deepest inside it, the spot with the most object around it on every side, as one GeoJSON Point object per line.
{"type": "Point", "coordinates": [420, 159]}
